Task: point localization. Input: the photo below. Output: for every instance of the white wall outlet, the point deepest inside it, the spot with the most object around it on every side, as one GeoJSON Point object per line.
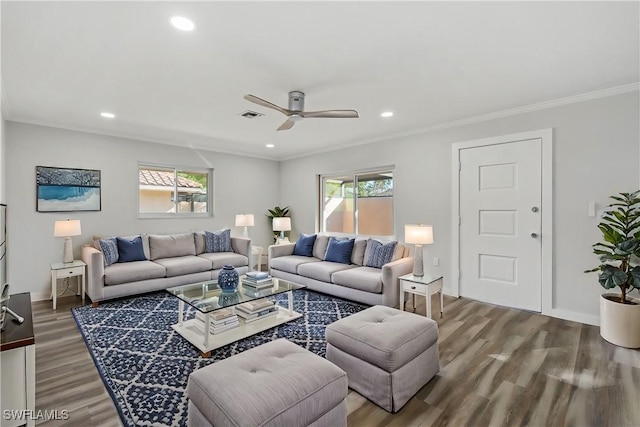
{"type": "Point", "coordinates": [436, 261]}
{"type": "Point", "coordinates": [591, 210]}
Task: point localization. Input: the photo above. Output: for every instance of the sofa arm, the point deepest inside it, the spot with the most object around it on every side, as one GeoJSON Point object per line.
{"type": "Point", "coordinates": [390, 279]}
{"type": "Point", "coordinates": [275, 251]}
{"type": "Point", "coordinates": [95, 272]}
{"type": "Point", "coordinates": [241, 245]}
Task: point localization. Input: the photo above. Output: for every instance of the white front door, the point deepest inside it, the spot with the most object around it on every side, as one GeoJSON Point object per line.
{"type": "Point", "coordinates": [500, 223]}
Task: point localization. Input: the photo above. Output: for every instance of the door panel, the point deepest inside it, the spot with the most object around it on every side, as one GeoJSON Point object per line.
{"type": "Point", "coordinates": [500, 261]}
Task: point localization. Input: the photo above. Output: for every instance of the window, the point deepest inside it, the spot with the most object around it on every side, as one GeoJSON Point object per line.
{"type": "Point", "coordinates": [358, 203]}
{"type": "Point", "coordinates": [170, 191]}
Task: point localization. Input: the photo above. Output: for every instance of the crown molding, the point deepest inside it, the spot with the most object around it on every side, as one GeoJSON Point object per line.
{"type": "Point", "coordinates": [618, 90]}
{"type": "Point", "coordinates": [633, 87]}
{"type": "Point", "coordinates": [135, 137]}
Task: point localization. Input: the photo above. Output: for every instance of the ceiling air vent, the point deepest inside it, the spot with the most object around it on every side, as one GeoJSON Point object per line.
{"type": "Point", "coordinates": [251, 114]}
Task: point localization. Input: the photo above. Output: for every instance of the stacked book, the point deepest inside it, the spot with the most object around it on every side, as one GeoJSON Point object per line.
{"type": "Point", "coordinates": [253, 292]}
{"type": "Point", "coordinates": [219, 321]}
{"type": "Point", "coordinates": [254, 310]}
{"type": "Point", "coordinates": [257, 280]}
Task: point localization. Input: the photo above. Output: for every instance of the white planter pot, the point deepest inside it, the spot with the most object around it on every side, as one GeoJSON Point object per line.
{"type": "Point", "coordinates": [620, 323]}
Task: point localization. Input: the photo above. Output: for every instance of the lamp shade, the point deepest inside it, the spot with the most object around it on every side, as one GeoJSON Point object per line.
{"type": "Point", "coordinates": [67, 228]}
{"type": "Point", "coordinates": [244, 220]}
{"type": "Point", "coordinates": [418, 234]}
{"type": "Point", "coordinates": [282, 224]}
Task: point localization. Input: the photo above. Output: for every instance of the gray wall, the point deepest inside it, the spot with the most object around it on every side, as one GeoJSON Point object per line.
{"type": "Point", "coordinates": [596, 149]}
{"type": "Point", "coordinates": [596, 152]}
{"type": "Point", "coordinates": [241, 185]}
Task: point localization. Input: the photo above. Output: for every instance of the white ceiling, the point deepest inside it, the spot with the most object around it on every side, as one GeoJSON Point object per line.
{"type": "Point", "coordinates": [429, 62]}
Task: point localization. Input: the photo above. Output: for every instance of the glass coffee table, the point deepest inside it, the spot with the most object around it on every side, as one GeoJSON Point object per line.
{"type": "Point", "coordinates": [206, 297]}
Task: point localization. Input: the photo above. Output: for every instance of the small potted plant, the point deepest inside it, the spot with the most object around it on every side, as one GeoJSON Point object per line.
{"type": "Point", "coordinates": [620, 267]}
{"type": "Point", "coordinates": [277, 212]}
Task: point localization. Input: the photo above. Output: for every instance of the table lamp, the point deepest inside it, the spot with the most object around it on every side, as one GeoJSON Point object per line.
{"type": "Point", "coordinates": [67, 229]}
{"type": "Point", "coordinates": [282, 224]}
{"type": "Point", "coordinates": [244, 220]}
{"type": "Point", "coordinates": [418, 234]}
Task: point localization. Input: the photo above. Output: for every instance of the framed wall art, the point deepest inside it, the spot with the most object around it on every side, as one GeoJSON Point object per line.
{"type": "Point", "coordinates": [67, 190]}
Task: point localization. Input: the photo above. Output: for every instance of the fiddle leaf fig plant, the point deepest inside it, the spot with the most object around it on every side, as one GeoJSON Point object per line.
{"type": "Point", "coordinates": [619, 253]}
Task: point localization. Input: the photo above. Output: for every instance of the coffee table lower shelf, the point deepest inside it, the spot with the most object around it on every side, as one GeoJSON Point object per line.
{"type": "Point", "coordinates": [192, 334]}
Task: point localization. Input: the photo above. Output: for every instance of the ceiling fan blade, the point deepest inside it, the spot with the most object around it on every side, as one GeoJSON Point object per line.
{"type": "Point", "coordinates": [287, 125]}
{"type": "Point", "coordinates": [331, 114]}
{"type": "Point", "coordinates": [267, 104]}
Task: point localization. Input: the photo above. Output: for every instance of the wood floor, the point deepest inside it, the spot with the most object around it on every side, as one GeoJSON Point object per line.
{"type": "Point", "coordinates": [499, 367]}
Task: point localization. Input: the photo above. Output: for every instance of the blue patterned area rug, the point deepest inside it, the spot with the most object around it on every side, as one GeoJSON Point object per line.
{"type": "Point", "coordinates": [145, 364]}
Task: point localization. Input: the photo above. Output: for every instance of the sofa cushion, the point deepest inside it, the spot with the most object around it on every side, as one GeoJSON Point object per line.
{"type": "Point", "coordinates": [290, 263]}
{"type": "Point", "coordinates": [220, 259]}
{"type": "Point", "coordinates": [171, 245]}
{"type": "Point", "coordinates": [109, 249]}
{"type": "Point", "coordinates": [339, 250]}
{"type": "Point", "coordinates": [320, 246]}
{"type": "Point", "coordinates": [199, 239]}
{"type": "Point", "coordinates": [399, 252]}
{"type": "Point", "coordinates": [304, 245]}
{"type": "Point", "coordinates": [218, 241]}
{"type": "Point", "coordinates": [179, 266]}
{"type": "Point", "coordinates": [321, 270]}
{"type": "Point", "coordinates": [367, 279]}
{"type": "Point", "coordinates": [357, 255]}
{"type": "Point", "coordinates": [130, 249]}
{"type": "Point", "coordinates": [380, 254]}
{"type": "Point", "coordinates": [126, 272]}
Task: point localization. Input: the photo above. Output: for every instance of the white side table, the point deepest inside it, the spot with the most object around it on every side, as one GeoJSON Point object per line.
{"type": "Point", "coordinates": [65, 270]}
{"type": "Point", "coordinates": [256, 254]}
{"type": "Point", "coordinates": [426, 286]}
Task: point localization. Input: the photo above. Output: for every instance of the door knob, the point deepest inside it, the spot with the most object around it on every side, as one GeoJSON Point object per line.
{"type": "Point", "coordinates": [534, 209]}
{"type": "Point", "coordinates": [534, 235]}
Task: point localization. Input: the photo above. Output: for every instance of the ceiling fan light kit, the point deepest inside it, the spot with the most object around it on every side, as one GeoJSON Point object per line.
{"type": "Point", "coordinates": [296, 113]}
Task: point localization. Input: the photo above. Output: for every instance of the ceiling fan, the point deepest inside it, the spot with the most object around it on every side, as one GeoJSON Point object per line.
{"type": "Point", "coordinates": [296, 112]}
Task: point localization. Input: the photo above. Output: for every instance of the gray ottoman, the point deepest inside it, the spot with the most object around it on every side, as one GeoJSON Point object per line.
{"type": "Point", "coordinates": [275, 384]}
{"type": "Point", "coordinates": [388, 354]}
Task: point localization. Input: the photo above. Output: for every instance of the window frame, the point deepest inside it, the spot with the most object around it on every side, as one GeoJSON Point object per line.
{"type": "Point", "coordinates": [355, 173]}
{"type": "Point", "coordinates": [176, 169]}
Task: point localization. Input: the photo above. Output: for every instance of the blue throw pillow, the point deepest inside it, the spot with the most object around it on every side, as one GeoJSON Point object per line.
{"type": "Point", "coordinates": [109, 249]}
{"type": "Point", "coordinates": [380, 254]}
{"type": "Point", "coordinates": [339, 250]}
{"type": "Point", "coordinates": [218, 241]}
{"type": "Point", "coordinates": [304, 245]}
{"type": "Point", "coordinates": [130, 249]}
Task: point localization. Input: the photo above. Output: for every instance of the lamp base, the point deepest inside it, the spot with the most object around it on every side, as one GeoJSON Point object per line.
{"type": "Point", "coordinates": [418, 265]}
{"type": "Point", "coordinates": [245, 232]}
{"type": "Point", "coordinates": [67, 255]}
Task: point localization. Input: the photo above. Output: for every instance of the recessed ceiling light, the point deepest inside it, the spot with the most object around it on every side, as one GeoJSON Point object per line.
{"type": "Point", "coordinates": [182, 23]}
{"type": "Point", "coordinates": [108, 115]}
{"type": "Point", "coordinates": [269, 145]}
{"type": "Point", "coordinates": [387, 114]}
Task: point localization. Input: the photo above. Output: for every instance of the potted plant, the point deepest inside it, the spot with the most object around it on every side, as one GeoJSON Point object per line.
{"type": "Point", "coordinates": [277, 212]}
{"type": "Point", "coordinates": [620, 267]}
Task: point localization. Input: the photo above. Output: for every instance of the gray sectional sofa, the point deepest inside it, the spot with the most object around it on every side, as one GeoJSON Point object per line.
{"type": "Point", "coordinates": [353, 280]}
{"type": "Point", "coordinates": [171, 260]}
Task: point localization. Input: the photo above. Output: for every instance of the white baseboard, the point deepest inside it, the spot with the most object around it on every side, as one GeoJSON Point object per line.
{"type": "Point", "coordinates": [40, 296]}
{"type": "Point", "coordinates": [588, 319]}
